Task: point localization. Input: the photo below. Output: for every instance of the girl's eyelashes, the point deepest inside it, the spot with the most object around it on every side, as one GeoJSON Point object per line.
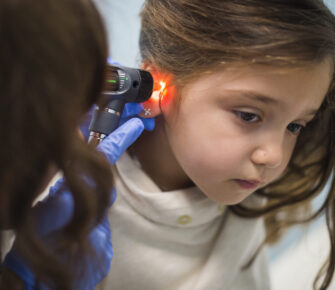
{"type": "Point", "coordinates": [247, 116]}
{"type": "Point", "coordinates": [295, 128]}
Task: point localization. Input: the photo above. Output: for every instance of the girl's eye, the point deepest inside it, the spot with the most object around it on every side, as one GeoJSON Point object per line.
{"type": "Point", "coordinates": [247, 117]}
{"type": "Point", "coordinates": [295, 128]}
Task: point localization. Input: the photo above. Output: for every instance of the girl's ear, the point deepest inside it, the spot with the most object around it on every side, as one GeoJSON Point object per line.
{"type": "Point", "coordinates": [152, 108]}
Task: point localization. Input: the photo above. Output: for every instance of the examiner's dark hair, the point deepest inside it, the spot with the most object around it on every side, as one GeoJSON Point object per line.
{"type": "Point", "coordinates": [52, 56]}
{"type": "Point", "coordinates": [185, 38]}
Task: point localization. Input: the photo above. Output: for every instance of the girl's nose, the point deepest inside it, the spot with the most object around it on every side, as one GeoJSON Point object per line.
{"type": "Point", "coordinates": [269, 154]}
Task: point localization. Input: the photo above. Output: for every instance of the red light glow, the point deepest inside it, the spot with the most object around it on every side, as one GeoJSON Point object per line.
{"type": "Point", "coordinates": [163, 90]}
{"type": "Point", "coordinates": [161, 93]}
{"type": "Point", "coordinates": [160, 89]}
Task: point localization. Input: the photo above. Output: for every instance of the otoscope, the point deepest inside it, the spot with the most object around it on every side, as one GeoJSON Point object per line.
{"type": "Point", "coordinates": [123, 85]}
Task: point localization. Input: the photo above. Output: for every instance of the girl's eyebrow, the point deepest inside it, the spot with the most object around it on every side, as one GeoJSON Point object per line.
{"type": "Point", "coordinates": [256, 96]}
{"type": "Point", "coordinates": [265, 99]}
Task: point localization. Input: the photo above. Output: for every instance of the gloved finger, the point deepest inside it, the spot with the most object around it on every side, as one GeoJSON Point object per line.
{"type": "Point", "coordinates": [149, 123]}
{"type": "Point", "coordinates": [54, 212]}
{"type": "Point", "coordinates": [118, 141]}
{"type": "Point", "coordinates": [131, 110]}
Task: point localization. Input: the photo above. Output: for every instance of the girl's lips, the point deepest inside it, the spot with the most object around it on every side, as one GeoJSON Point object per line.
{"type": "Point", "coordinates": [247, 184]}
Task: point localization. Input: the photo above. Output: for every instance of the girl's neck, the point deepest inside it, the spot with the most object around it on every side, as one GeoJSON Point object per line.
{"type": "Point", "coordinates": [154, 153]}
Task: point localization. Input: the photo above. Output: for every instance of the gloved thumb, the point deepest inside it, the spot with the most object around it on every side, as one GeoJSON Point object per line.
{"type": "Point", "coordinates": [116, 143]}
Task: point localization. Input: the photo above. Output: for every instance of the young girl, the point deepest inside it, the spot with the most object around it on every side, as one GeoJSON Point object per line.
{"type": "Point", "coordinates": [244, 140]}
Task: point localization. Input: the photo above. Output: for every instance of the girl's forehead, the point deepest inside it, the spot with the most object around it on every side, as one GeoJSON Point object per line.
{"type": "Point", "coordinates": [234, 72]}
{"type": "Point", "coordinates": [309, 83]}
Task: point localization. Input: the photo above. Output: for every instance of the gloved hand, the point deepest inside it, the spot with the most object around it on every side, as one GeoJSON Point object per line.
{"type": "Point", "coordinates": [130, 110]}
{"type": "Point", "coordinates": [56, 211]}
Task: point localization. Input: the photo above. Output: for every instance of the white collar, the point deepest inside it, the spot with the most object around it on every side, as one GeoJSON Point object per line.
{"type": "Point", "coordinates": [169, 207]}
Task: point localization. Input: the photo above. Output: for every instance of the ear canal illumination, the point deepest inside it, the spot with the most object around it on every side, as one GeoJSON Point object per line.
{"type": "Point", "coordinates": [161, 93]}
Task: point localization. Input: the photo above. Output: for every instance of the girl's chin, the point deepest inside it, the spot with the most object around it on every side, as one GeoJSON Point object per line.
{"type": "Point", "coordinates": [230, 200]}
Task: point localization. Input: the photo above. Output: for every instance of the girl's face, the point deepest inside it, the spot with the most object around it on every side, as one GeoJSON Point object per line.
{"type": "Point", "coordinates": [234, 130]}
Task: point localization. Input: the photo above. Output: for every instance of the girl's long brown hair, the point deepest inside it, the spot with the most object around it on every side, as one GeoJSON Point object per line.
{"type": "Point", "coordinates": [189, 37]}
{"type": "Point", "coordinates": [52, 66]}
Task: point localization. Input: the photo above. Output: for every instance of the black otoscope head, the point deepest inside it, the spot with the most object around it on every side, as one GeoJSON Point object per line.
{"type": "Point", "coordinates": [123, 85]}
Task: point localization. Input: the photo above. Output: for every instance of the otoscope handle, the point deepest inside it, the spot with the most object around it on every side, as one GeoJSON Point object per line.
{"type": "Point", "coordinates": [105, 121]}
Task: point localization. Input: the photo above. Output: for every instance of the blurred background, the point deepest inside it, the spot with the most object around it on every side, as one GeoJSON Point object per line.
{"type": "Point", "coordinates": [297, 258]}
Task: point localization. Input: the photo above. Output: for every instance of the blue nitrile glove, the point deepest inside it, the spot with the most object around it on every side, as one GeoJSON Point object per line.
{"type": "Point", "coordinates": [55, 211]}
{"type": "Point", "coordinates": [130, 110]}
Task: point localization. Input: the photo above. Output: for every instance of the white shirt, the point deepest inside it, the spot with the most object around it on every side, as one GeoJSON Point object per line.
{"type": "Point", "coordinates": [179, 240]}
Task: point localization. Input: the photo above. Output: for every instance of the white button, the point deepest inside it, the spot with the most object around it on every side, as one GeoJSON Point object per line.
{"type": "Point", "coordinates": [184, 219]}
